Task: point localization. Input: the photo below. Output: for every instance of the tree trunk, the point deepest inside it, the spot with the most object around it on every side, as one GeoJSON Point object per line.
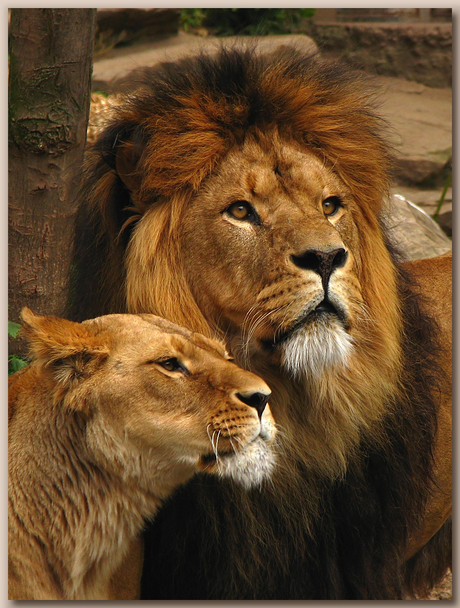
{"type": "Point", "coordinates": [49, 97]}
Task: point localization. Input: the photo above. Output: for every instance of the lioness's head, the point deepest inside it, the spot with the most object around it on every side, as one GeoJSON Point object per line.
{"type": "Point", "coordinates": [148, 387]}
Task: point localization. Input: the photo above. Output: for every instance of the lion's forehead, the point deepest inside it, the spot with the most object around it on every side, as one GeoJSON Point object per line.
{"type": "Point", "coordinates": [273, 167]}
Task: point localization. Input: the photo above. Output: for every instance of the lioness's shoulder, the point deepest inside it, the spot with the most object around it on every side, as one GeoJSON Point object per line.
{"type": "Point", "coordinates": [435, 273]}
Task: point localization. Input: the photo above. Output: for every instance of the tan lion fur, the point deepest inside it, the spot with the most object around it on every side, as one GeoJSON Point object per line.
{"type": "Point", "coordinates": [434, 277]}
{"type": "Point", "coordinates": [283, 133]}
{"type": "Point", "coordinates": [100, 433]}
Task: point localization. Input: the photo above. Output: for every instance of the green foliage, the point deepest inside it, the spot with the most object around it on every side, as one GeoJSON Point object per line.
{"type": "Point", "coordinates": [191, 18]}
{"type": "Point", "coordinates": [245, 21]}
{"type": "Point", "coordinates": [443, 195]}
{"type": "Point", "coordinates": [102, 93]}
{"type": "Point", "coordinates": [13, 329]}
{"type": "Point", "coordinates": [15, 363]}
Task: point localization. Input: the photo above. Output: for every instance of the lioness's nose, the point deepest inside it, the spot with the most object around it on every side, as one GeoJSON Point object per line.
{"type": "Point", "coordinates": [322, 262]}
{"type": "Point", "coordinates": [255, 400]}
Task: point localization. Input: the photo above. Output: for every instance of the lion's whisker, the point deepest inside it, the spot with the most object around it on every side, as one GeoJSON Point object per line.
{"type": "Point", "coordinates": [257, 322]}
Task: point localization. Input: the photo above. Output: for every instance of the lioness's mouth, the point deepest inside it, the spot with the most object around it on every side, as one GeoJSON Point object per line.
{"type": "Point", "coordinates": [324, 309]}
{"type": "Point", "coordinates": [209, 461]}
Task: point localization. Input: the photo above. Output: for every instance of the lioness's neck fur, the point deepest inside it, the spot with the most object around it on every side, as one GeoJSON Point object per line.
{"type": "Point", "coordinates": [84, 519]}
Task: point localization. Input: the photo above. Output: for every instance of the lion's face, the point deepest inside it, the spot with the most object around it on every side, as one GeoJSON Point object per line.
{"type": "Point", "coordinates": [271, 249]}
{"type": "Point", "coordinates": [175, 392]}
{"type": "Point", "coordinates": [152, 389]}
{"type": "Point", "coordinates": [276, 255]}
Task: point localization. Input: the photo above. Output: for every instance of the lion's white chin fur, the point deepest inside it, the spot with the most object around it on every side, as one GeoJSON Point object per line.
{"type": "Point", "coordinates": [315, 348]}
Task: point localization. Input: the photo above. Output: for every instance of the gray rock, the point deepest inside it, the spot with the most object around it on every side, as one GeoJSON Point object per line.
{"type": "Point", "coordinates": [421, 130]}
{"type": "Point", "coordinates": [414, 231]}
{"type": "Point", "coordinates": [421, 52]}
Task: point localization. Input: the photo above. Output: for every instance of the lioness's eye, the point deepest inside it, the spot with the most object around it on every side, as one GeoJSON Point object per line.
{"type": "Point", "coordinates": [241, 210]}
{"type": "Point", "coordinates": [331, 205]}
{"type": "Point", "coordinates": [172, 365]}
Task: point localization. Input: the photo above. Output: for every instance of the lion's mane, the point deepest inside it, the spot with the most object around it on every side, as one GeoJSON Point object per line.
{"type": "Point", "coordinates": [309, 534]}
{"type": "Point", "coordinates": [174, 131]}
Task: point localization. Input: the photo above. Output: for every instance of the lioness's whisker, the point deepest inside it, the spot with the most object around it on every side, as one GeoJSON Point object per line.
{"type": "Point", "coordinates": [230, 437]}
{"type": "Point", "coordinates": [215, 444]}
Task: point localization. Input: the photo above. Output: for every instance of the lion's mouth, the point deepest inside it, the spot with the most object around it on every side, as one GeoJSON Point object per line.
{"type": "Point", "coordinates": [325, 309]}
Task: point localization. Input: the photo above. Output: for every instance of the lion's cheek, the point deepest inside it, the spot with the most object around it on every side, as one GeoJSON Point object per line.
{"type": "Point", "coordinates": [222, 303]}
{"type": "Point", "coordinates": [224, 287]}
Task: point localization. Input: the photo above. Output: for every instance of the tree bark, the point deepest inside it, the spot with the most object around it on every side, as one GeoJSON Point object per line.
{"type": "Point", "coordinates": [49, 97]}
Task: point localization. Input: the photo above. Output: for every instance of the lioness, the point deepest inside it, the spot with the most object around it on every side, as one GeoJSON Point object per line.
{"type": "Point", "coordinates": [113, 415]}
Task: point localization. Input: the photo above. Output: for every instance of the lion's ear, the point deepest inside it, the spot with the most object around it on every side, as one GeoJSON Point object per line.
{"type": "Point", "coordinates": [121, 146]}
{"type": "Point", "coordinates": [69, 351]}
{"type": "Point", "coordinates": [127, 157]}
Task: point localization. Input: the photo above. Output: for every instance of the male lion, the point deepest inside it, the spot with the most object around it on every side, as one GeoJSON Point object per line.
{"type": "Point", "coordinates": [111, 417]}
{"type": "Point", "coordinates": [242, 195]}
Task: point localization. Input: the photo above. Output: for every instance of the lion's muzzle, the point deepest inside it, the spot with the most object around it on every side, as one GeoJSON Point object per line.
{"type": "Point", "coordinates": [322, 262]}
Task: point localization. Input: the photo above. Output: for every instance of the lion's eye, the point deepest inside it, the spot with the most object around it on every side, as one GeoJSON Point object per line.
{"type": "Point", "coordinates": [241, 210]}
{"type": "Point", "coordinates": [331, 205]}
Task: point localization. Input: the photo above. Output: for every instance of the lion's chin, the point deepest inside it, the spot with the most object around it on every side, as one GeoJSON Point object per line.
{"type": "Point", "coordinates": [316, 347]}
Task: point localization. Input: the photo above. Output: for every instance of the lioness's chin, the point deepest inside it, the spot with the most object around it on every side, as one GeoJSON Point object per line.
{"type": "Point", "coordinates": [249, 467]}
{"type": "Point", "coordinates": [315, 348]}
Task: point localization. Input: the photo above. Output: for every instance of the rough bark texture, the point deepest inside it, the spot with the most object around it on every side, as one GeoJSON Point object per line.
{"type": "Point", "coordinates": [49, 96]}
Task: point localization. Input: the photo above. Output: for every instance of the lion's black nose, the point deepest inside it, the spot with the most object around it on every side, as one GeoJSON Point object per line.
{"type": "Point", "coordinates": [322, 262]}
{"type": "Point", "coordinates": [255, 400]}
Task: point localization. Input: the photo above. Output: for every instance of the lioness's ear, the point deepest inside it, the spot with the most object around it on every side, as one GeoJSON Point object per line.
{"type": "Point", "coordinates": [70, 351]}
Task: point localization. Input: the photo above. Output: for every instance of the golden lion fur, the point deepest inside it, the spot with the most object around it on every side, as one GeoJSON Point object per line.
{"type": "Point", "coordinates": [102, 430]}
{"type": "Point", "coordinates": [358, 390]}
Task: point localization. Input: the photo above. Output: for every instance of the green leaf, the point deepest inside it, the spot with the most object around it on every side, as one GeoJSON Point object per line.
{"type": "Point", "coordinates": [15, 363]}
{"type": "Point", "coordinates": [13, 329]}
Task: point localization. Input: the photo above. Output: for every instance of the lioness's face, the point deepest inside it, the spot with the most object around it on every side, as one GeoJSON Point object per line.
{"type": "Point", "coordinates": [177, 394]}
{"type": "Point", "coordinates": [272, 238]}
